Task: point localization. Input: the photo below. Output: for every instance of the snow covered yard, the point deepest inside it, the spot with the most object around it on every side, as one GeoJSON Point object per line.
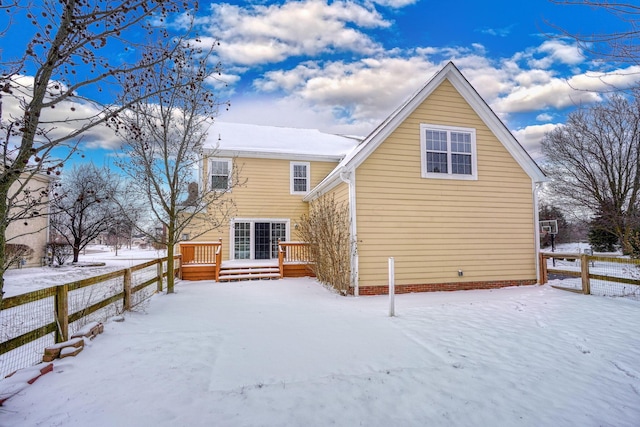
{"type": "Point", "coordinates": [292, 353]}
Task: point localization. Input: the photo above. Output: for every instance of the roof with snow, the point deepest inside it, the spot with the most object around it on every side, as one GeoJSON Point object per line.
{"type": "Point", "coordinates": [233, 139]}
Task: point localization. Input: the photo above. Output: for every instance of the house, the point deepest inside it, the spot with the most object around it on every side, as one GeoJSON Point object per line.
{"type": "Point", "coordinates": [29, 226]}
{"type": "Point", "coordinates": [441, 186]}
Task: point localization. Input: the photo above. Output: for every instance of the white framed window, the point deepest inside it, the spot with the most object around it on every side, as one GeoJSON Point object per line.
{"type": "Point", "coordinates": [300, 177]}
{"type": "Point", "coordinates": [448, 152]}
{"type": "Point", "coordinates": [220, 173]}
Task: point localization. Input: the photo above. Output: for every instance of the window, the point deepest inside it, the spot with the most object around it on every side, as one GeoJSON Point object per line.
{"type": "Point", "coordinates": [448, 152]}
{"type": "Point", "coordinates": [220, 170]}
{"type": "Point", "coordinates": [300, 172]}
{"type": "Point", "coordinates": [242, 240]}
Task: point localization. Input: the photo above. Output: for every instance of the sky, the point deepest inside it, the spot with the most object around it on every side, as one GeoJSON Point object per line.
{"type": "Point", "coordinates": [343, 66]}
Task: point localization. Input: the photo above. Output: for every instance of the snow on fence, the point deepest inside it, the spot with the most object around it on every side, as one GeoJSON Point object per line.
{"type": "Point", "coordinates": [592, 274]}
{"type": "Point", "coordinates": [32, 321]}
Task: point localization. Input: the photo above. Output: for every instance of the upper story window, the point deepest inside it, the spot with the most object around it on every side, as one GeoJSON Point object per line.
{"type": "Point", "coordinates": [300, 177]}
{"type": "Point", "coordinates": [220, 172]}
{"type": "Point", "coordinates": [448, 152]}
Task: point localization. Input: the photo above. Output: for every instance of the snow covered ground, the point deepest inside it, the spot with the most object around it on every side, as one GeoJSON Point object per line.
{"type": "Point", "coordinates": [292, 353]}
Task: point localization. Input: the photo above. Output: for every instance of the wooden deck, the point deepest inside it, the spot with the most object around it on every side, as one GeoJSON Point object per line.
{"type": "Point", "coordinates": [203, 261]}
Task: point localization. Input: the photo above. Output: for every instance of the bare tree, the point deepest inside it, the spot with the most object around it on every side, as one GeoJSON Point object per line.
{"type": "Point", "coordinates": [66, 55]}
{"type": "Point", "coordinates": [616, 46]}
{"type": "Point", "coordinates": [163, 139]}
{"type": "Point", "coordinates": [594, 160]}
{"type": "Point", "coordinates": [87, 207]}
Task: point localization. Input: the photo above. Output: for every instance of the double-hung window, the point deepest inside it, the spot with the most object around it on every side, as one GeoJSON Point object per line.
{"type": "Point", "coordinates": [300, 177]}
{"type": "Point", "coordinates": [448, 152]}
{"type": "Point", "coordinates": [220, 172]}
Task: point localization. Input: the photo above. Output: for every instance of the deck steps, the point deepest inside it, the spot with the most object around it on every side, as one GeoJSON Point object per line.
{"type": "Point", "coordinates": [248, 273]}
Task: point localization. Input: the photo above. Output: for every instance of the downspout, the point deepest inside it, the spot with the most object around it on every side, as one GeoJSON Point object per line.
{"type": "Point", "coordinates": [350, 179]}
{"type": "Point", "coordinates": [536, 186]}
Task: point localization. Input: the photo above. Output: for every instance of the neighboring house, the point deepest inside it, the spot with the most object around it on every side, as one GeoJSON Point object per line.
{"type": "Point", "coordinates": [441, 186]}
{"type": "Point", "coordinates": [32, 231]}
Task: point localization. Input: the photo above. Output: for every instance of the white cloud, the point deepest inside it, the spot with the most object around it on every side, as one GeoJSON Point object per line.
{"type": "Point", "coordinates": [530, 138]}
{"type": "Point", "coordinates": [557, 51]}
{"type": "Point", "coordinates": [64, 119]}
{"type": "Point", "coordinates": [364, 91]}
{"type": "Point", "coordinates": [268, 34]}
{"type": "Point", "coordinates": [498, 32]}
{"type": "Point", "coordinates": [396, 4]}
{"type": "Point", "coordinates": [544, 117]}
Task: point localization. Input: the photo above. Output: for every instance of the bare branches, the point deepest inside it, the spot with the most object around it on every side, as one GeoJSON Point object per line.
{"type": "Point", "coordinates": [86, 207]}
{"type": "Point", "coordinates": [595, 162]}
{"type": "Point", "coordinates": [618, 46]}
{"type": "Point", "coordinates": [326, 228]}
{"type": "Point", "coordinates": [67, 57]}
{"type": "Point", "coordinates": [171, 108]}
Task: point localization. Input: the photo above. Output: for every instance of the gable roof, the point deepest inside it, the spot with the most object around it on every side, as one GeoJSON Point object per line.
{"type": "Point", "coordinates": [246, 140]}
{"type": "Point", "coordinates": [451, 73]}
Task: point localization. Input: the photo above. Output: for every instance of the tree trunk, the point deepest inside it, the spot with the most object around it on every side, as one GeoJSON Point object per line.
{"type": "Point", "coordinates": [3, 237]}
{"type": "Point", "coordinates": [170, 273]}
{"type": "Point", "coordinates": [76, 250]}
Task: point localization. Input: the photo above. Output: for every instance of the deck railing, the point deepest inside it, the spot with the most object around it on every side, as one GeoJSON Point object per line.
{"type": "Point", "coordinates": [290, 253]}
{"type": "Point", "coordinates": [202, 253]}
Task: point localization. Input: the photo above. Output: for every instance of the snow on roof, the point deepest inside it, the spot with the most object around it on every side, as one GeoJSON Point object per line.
{"type": "Point", "coordinates": [238, 137]}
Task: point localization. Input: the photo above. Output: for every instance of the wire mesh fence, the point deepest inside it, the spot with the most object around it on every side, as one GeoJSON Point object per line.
{"type": "Point", "coordinates": [596, 275]}
{"type": "Point", "coordinates": [95, 302]}
{"type": "Point", "coordinates": [32, 321]}
{"type": "Point", "coordinates": [31, 318]}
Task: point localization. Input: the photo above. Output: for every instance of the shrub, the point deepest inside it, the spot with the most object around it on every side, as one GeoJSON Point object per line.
{"type": "Point", "coordinates": [16, 252]}
{"type": "Point", "coordinates": [59, 252]}
{"type": "Point", "coordinates": [326, 229]}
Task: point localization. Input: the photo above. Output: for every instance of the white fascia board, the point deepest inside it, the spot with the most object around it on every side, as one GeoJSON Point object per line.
{"type": "Point", "coordinates": [272, 155]}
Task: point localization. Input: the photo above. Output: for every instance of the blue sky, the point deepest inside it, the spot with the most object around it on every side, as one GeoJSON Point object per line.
{"type": "Point", "coordinates": [343, 66]}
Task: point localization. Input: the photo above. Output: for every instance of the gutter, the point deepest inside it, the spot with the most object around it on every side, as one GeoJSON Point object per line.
{"type": "Point", "coordinates": [536, 186]}
{"type": "Point", "coordinates": [349, 178]}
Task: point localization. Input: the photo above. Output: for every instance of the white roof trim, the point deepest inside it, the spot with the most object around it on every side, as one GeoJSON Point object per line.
{"type": "Point", "coordinates": [382, 132]}
{"type": "Point", "coordinates": [272, 155]}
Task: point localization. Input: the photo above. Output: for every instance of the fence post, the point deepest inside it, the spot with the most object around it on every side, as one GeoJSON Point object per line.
{"type": "Point", "coordinates": [62, 313]}
{"type": "Point", "coordinates": [584, 274]}
{"type": "Point", "coordinates": [160, 272]}
{"type": "Point", "coordinates": [179, 266]}
{"type": "Point", "coordinates": [127, 289]}
{"type": "Point", "coordinates": [543, 269]}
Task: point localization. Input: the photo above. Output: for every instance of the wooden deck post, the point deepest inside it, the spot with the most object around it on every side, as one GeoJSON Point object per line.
{"type": "Point", "coordinates": [584, 274]}
{"type": "Point", "coordinates": [62, 313]}
{"type": "Point", "coordinates": [218, 260]}
{"type": "Point", "coordinates": [280, 259]}
{"type": "Point", "coordinates": [127, 290]}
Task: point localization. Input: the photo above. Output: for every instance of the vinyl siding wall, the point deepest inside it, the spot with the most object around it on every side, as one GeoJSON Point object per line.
{"type": "Point", "coordinates": [435, 227]}
{"type": "Point", "coordinates": [266, 194]}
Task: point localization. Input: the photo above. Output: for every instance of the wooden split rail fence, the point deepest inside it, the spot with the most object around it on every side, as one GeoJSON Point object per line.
{"type": "Point", "coordinates": [32, 321]}
{"type": "Point", "coordinates": [603, 275]}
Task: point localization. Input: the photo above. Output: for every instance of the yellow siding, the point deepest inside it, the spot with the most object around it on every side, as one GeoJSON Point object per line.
{"type": "Point", "coordinates": [435, 227]}
{"type": "Point", "coordinates": [340, 193]}
{"type": "Point", "coordinates": [265, 193]}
